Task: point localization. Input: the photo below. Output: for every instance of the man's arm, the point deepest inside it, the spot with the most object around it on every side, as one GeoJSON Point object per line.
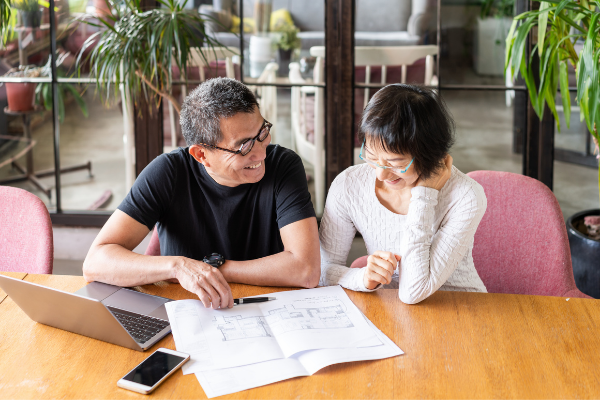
{"type": "Point", "coordinates": [299, 264]}
{"type": "Point", "coordinates": [111, 260]}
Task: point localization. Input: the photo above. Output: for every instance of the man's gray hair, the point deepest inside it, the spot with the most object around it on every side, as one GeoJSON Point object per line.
{"type": "Point", "coordinates": [204, 107]}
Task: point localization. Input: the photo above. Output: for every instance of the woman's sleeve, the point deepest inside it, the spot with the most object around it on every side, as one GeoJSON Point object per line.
{"type": "Point", "coordinates": [335, 235]}
{"type": "Point", "coordinates": [429, 258]}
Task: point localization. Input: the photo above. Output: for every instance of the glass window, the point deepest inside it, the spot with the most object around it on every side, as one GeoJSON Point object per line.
{"type": "Point", "coordinates": [473, 34]}
{"type": "Point", "coordinates": [92, 151]}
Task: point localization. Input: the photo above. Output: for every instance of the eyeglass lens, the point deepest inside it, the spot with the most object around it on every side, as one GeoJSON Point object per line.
{"type": "Point", "coordinates": [247, 147]}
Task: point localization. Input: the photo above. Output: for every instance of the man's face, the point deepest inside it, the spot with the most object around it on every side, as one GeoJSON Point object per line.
{"type": "Point", "coordinates": [229, 169]}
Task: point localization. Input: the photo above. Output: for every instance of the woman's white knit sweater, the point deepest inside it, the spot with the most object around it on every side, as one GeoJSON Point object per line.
{"type": "Point", "coordinates": [434, 239]}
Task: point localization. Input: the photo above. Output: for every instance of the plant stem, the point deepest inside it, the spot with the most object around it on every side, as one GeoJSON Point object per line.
{"type": "Point", "coordinates": [166, 95]}
{"type": "Point", "coordinates": [598, 154]}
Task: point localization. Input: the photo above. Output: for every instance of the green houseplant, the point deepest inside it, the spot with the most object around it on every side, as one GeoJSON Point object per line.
{"type": "Point", "coordinates": [30, 12]}
{"type": "Point", "coordinates": [23, 95]}
{"type": "Point", "coordinates": [560, 25]}
{"type": "Point", "coordinates": [5, 19]}
{"type": "Point", "coordinates": [43, 91]}
{"type": "Point", "coordinates": [141, 48]}
{"type": "Point", "coordinates": [288, 42]}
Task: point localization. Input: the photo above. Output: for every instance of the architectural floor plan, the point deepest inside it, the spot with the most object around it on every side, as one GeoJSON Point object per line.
{"type": "Point", "coordinates": [296, 321]}
{"type": "Point", "coordinates": [291, 317]}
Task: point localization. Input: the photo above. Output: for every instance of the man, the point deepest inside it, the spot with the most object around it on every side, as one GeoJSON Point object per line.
{"type": "Point", "coordinates": [230, 192]}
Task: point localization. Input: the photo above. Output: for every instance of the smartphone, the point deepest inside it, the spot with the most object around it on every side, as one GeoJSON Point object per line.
{"type": "Point", "coordinates": [153, 371]}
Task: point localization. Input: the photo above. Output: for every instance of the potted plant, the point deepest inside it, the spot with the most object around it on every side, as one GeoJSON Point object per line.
{"type": "Point", "coordinates": [43, 91]}
{"type": "Point", "coordinates": [20, 95]}
{"type": "Point", "coordinates": [29, 11]}
{"type": "Point", "coordinates": [141, 47]}
{"type": "Point", "coordinates": [560, 25]}
{"type": "Point", "coordinates": [5, 20]}
{"type": "Point", "coordinates": [492, 27]}
{"type": "Point", "coordinates": [288, 42]}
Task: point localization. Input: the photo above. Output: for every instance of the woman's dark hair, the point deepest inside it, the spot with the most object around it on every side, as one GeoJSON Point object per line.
{"type": "Point", "coordinates": [406, 119]}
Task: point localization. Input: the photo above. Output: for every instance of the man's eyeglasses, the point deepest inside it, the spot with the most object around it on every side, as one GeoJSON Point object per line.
{"type": "Point", "coordinates": [246, 147]}
{"type": "Point", "coordinates": [374, 164]}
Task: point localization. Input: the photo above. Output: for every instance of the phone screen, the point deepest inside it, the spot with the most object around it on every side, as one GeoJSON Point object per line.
{"type": "Point", "coordinates": [154, 368]}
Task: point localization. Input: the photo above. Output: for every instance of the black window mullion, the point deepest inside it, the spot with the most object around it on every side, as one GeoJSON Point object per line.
{"type": "Point", "coordinates": [55, 117]}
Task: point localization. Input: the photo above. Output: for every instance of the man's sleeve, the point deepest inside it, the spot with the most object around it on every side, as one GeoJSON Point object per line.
{"type": "Point", "coordinates": [292, 199]}
{"type": "Point", "coordinates": [152, 192]}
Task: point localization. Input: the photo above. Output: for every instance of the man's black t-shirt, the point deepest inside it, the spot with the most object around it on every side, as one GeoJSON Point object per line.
{"type": "Point", "coordinates": [196, 216]}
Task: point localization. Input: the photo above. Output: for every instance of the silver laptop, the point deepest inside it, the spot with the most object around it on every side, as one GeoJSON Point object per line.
{"type": "Point", "coordinates": [105, 312]}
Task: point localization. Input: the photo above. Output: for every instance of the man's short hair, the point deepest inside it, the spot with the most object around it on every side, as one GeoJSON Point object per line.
{"type": "Point", "coordinates": [407, 119]}
{"type": "Point", "coordinates": [204, 107]}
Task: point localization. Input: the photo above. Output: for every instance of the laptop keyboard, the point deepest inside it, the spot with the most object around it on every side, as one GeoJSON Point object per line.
{"type": "Point", "coordinates": [141, 327]}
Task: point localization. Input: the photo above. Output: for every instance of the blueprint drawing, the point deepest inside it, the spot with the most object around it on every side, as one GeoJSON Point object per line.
{"type": "Point", "coordinates": [291, 317]}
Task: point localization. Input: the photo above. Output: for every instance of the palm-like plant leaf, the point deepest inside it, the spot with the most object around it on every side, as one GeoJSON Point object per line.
{"type": "Point", "coordinates": [140, 47]}
{"type": "Point", "coordinates": [560, 24]}
{"type": "Point", "coordinates": [5, 17]}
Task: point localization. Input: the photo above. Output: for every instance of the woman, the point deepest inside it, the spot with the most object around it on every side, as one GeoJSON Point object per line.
{"type": "Point", "coordinates": [416, 212]}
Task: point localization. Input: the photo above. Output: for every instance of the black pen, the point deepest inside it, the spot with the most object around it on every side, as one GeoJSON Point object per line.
{"type": "Point", "coordinates": [252, 300]}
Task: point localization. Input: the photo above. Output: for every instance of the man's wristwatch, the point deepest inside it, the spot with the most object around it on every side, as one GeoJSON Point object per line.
{"type": "Point", "coordinates": [215, 260]}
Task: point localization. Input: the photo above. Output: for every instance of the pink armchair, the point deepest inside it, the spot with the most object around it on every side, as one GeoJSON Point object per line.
{"type": "Point", "coordinates": [153, 248]}
{"type": "Point", "coordinates": [521, 244]}
{"type": "Point", "coordinates": [26, 242]}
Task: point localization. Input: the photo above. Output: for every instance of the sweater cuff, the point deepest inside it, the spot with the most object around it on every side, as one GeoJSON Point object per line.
{"type": "Point", "coordinates": [361, 283]}
{"type": "Point", "coordinates": [421, 209]}
{"type": "Point", "coordinates": [424, 193]}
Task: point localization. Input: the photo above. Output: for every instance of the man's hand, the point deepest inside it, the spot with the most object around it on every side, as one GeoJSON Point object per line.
{"type": "Point", "coordinates": [206, 282]}
{"type": "Point", "coordinates": [439, 179]}
{"type": "Point", "coordinates": [380, 268]}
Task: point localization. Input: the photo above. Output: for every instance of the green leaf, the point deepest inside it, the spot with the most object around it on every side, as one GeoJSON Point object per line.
{"type": "Point", "coordinates": [509, 47]}
{"type": "Point", "coordinates": [561, 6]}
{"type": "Point", "coordinates": [519, 48]}
{"type": "Point", "coordinates": [587, 79]}
{"type": "Point", "coordinates": [78, 99]}
{"type": "Point", "coordinates": [542, 24]}
{"type": "Point", "coordinates": [564, 91]}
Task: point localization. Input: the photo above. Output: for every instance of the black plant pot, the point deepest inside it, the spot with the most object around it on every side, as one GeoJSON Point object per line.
{"type": "Point", "coordinates": [31, 19]}
{"type": "Point", "coordinates": [285, 57]}
{"type": "Point", "coordinates": [585, 254]}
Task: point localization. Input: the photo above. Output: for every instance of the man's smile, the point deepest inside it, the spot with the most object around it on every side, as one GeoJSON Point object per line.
{"type": "Point", "coordinates": [254, 166]}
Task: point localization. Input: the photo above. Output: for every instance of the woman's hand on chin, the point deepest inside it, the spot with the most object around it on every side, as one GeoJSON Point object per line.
{"type": "Point", "coordinates": [380, 268]}
{"type": "Point", "coordinates": [439, 179]}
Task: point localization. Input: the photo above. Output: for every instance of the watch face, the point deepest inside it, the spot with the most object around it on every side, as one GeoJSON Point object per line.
{"type": "Point", "coordinates": [215, 260]}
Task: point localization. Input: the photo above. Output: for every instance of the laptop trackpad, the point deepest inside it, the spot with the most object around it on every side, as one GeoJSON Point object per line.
{"type": "Point", "coordinates": [133, 301]}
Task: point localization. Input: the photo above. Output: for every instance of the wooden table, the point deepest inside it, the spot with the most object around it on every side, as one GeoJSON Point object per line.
{"type": "Point", "coordinates": [16, 275]}
{"type": "Point", "coordinates": [458, 345]}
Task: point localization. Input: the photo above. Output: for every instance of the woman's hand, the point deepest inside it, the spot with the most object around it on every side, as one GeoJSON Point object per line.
{"type": "Point", "coordinates": [439, 179]}
{"type": "Point", "coordinates": [380, 267]}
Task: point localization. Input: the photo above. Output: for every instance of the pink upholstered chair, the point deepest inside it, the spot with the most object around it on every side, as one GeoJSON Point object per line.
{"type": "Point", "coordinates": [26, 243]}
{"type": "Point", "coordinates": [521, 244]}
{"type": "Point", "coordinates": [153, 248]}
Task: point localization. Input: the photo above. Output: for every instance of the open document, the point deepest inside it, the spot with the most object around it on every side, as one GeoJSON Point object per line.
{"type": "Point", "coordinates": [298, 321]}
{"type": "Point", "coordinates": [230, 380]}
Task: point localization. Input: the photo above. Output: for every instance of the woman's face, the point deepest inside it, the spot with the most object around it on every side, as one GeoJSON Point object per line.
{"type": "Point", "coordinates": [392, 179]}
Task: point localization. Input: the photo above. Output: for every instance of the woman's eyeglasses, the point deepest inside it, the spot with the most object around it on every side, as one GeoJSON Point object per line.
{"type": "Point", "coordinates": [374, 164]}
{"type": "Point", "coordinates": [247, 146]}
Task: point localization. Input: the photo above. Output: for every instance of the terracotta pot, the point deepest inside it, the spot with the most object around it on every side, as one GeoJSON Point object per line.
{"type": "Point", "coordinates": [20, 95]}
{"type": "Point", "coordinates": [102, 8]}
